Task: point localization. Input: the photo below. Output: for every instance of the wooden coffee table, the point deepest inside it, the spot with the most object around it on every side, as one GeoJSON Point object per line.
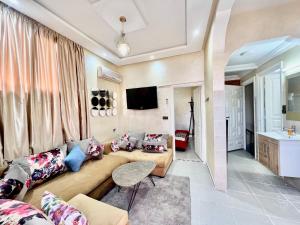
{"type": "Point", "coordinates": [132, 174]}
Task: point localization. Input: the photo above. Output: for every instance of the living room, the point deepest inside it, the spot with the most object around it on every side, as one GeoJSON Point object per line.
{"type": "Point", "coordinates": [89, 120]}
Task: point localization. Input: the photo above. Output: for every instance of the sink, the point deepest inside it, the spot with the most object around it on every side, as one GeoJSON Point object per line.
{"type": "Point", "coordinates": [284, 134]}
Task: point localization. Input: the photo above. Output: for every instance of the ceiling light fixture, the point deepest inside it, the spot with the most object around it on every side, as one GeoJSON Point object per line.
{"type": "Point", "coordinates": [122, 45]}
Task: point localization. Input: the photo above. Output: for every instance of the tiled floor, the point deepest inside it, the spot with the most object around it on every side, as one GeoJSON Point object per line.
{"type": "Point", "coordinates": [188, 154]}
{"type": "Point", "coordinates": [254, 197]}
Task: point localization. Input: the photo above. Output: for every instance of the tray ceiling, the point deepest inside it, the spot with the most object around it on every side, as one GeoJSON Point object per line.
{"type": "Point", "coordinates": [253, 55]}
{"type": "Point", "coordinates": [154, 28]}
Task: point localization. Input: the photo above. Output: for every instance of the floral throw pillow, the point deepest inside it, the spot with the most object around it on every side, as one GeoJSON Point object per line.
{"type": "Point", "coordinates": [95, 150]}
{"type": "Point", "coordinates": [115, 144]}
{"type": "Point", "coordinates": [61, 212]}
{"type": "Point", "coordinates": [127, 145]}
{"type": "Point", "coordinates": [152, 148]}
{"type": "Point", "coordinates": [10, 188]}
{"type": "Point", "coordinates": [13, 212]}
{"type": "Point", "coordinates": [15, 183]}
{"type": "Point", "coordinates": [45, 165]}
{"type": "Point", "coordinates": [156, 139]}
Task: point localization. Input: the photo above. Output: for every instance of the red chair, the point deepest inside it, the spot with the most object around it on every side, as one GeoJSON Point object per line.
{"type": "Point", "coordinates": [182, 139]}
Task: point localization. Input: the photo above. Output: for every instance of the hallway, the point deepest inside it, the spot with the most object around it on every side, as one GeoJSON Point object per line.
{"type": "Point", "coordinates": [189, 154]}
{"type": "Point", "coordinates": [258, 191]}
{"type": "Point", "coordinates": [254, 197]}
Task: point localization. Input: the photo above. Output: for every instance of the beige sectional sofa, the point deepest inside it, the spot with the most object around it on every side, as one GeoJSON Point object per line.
{"type": "Point", "coordinates": [163, 160]}
{"type": "Point", "coordinates": [94, 180]}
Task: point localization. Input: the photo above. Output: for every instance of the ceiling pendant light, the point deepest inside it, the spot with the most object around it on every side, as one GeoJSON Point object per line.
{"type": "Point", "coordinates": [122, 46]}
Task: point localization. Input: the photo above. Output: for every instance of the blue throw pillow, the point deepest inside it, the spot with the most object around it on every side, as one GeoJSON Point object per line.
{"type": "Point", "coordinates": [75, 159]}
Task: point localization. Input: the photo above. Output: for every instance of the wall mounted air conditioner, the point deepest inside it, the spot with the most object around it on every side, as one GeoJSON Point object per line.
{"type": "Point", "coordinates": [108, 74]}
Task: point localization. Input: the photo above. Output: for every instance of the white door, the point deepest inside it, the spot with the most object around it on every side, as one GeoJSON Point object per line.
{"type": "Point", "coordinates": [235, 114]}
{"type": "Point", "coordinates": [197, 115]}
{"type": "Point", "coordinates": [273, 114]}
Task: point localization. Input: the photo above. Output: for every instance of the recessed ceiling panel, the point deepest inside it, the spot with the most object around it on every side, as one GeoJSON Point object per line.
{"type": "Point", "coordinates": [255, 52]}
{"type": "Point", "coordinates": [165, 26]}
{"type": "Point", "coordinates": [111, 10]}
{"type": "Point", "coordinates": [155, 28]}
{"type": "Point", "coordinates": [241, 6]}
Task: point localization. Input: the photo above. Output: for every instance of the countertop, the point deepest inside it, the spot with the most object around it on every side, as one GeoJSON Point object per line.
{"type": "Point", "coordinates": [280, 136]}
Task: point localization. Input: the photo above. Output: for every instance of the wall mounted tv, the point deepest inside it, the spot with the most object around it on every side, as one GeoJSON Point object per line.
{"type": "Point", "coordinates": [142, 98]}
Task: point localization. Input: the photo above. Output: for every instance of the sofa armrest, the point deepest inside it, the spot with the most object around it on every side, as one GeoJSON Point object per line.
{"type": "Point", "coordinates": [107, 148]}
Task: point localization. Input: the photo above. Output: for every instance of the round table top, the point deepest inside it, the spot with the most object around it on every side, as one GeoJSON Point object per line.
{"type": "Point", "coordinates": [130, 174]}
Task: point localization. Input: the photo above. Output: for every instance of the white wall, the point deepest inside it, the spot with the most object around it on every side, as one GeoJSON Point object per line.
{"type": "Point", "coordinates": [182, 97]}
{"type": "Point", "coordinates": [163, 73]}
{"type": "Point", "coordinates": [102, 127]}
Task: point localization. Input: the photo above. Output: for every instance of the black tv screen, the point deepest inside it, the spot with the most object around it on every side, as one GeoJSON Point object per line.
{"type": "Point", "coordinates": [142, 98]}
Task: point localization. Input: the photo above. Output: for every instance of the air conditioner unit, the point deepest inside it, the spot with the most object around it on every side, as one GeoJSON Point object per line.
{"type": "Point", "coordinates": [108, 74]}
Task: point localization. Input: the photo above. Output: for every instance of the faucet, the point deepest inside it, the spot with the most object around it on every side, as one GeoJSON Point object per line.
{"type": "Point", "coordinates": [292, 129]}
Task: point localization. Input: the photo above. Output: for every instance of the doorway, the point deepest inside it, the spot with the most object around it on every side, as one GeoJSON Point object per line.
{"type": "Point", "coordinates": [270, 99]}
{"type": "Point", "coordinates": [249, 119]}
{"type": "Point", "coordinates": [234, 100]}
{"type": "Point", "coordinates": [187, 123]}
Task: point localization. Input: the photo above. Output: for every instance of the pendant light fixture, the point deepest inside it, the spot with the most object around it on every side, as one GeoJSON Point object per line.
{"type": "Point", "coordinates": [122, 45]}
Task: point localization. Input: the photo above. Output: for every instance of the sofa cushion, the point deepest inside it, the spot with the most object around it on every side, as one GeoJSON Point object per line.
{"type": "Point", "coordinates": [98, 212]}
{"type": "Point", "coordinates": [95, 150]}
{"type": "Point", "coordinates": [139, 137]}
{"type": "Point", "coordinates": [127, 145]}
{"type": "Point", "coordinates": [60, 212]}
{"type": "Point", "coordinates": [84, 144]}
{"type": "Point", "coordinates": [14, 212]}
{"type": "Point", "coordinates": [121, 141]}
{"type": "Point", "coordinates": [42, 166]}
{"type": "Point", "coordinates": [15, 183]}
{"type": "Point", "coordinates": [156, 139]}
{"type": "Point", "coordinates": [153, 148]}
{"type": "Point", "coordinates": [69, 184]}
{"type": "Point", "coordinates": [162, 159]}
{"type": "Point", "coordinates": [90, 146]}
{"type": "Point", "coordinates": [75, 159]}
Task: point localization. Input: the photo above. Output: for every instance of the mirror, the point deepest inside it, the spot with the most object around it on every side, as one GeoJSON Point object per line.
{"type": "Point", "coordinates": [293, 97]}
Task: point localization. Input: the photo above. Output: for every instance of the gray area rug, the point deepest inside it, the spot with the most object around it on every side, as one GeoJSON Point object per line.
{"type": "Point", "coordinates": [168, 203]}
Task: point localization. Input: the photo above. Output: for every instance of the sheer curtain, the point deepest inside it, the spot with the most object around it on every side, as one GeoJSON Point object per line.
{"type": "Point", "coordinates": [43, 96]}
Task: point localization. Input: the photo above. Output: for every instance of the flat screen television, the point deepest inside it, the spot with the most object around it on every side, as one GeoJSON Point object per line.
{"type": "Point", "coordinates": [142, 98]}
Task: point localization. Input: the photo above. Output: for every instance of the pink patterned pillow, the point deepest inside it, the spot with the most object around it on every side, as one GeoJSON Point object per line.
{"type": "Point", "coordinates": [45, 165]}
{"type": "Point", "coordinates": [95, 150]}
{"type": "Point", "coordinates": [115, 144]}
{"type": "Point", "coordinates": [10, 188]}
{"type": "Point", "coordinates": [14, 212]}
{"type": "Point", "coordinates": [15, 183]}
{"type": "Point", "coordinates": [61, 212]}
{"type": "Point", "coordinates": [153, 148]}
{"type": "Point", "coordinates": [156, 140]}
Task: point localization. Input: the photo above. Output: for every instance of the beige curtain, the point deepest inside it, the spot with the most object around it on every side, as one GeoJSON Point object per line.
{"type": "Point", "coordinates": [43, 98]}
{"type": "Point", "coordinates": [73, 90]}
{"type": "Point", "coordinates": [45, 128]}
{"type": "Point", "coordinates": [16, 69]}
